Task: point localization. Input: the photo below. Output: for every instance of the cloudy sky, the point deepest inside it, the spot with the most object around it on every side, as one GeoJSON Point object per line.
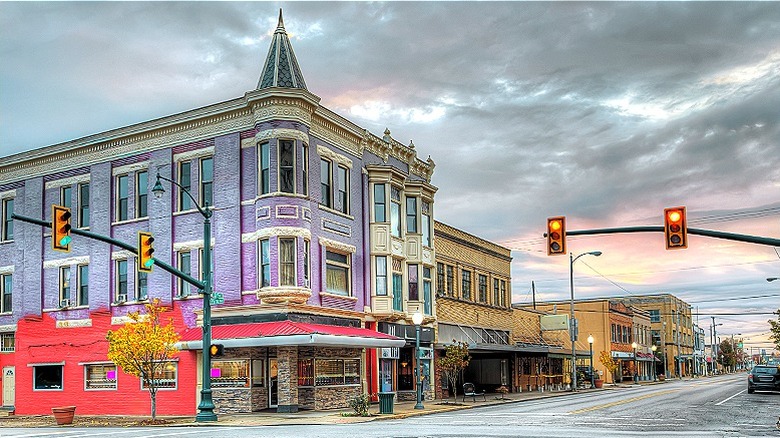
{"type": "Point", "coordinates": [603, 112]}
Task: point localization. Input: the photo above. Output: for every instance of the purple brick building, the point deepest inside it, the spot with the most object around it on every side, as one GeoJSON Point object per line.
{"type": "Point", "coordinates": [321, 243]}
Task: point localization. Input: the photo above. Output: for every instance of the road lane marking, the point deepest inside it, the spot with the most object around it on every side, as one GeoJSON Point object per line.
{"type": "Point", "coordinates": [724, 401]}
{"type": "Point", "coordinates": [620, 402]}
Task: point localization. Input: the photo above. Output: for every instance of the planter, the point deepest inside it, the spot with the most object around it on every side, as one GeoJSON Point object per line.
{"type": "Point", "coordinates": [598, 382]}
{"type": "Point", "coordinates": [661, 377]}
{"type": "Point", "coordinates": [64, 414]}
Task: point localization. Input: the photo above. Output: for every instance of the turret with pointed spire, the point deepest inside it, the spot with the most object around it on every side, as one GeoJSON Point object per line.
{"type": "Point", "coordinates": [281, 68]}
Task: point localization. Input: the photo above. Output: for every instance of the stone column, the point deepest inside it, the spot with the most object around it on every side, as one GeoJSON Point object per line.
{"type": "Point", "coordinates": [287, 360]}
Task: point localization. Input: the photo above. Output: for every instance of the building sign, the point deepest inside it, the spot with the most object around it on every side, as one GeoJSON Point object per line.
{"type": "Point", "coordinates": [426, 353]}
{"type": "Point", "coordinates": [554, 322]}
{"type": "Point", "coordinates": [389, 353]}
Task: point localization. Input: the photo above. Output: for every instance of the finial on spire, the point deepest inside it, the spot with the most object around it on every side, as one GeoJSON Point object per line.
{"type": "Point", "coordinates": [280, 25]}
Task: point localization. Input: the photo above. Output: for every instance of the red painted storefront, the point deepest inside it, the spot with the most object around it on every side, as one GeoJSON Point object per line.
{"type": "Point", "coordinates": [40, 341]}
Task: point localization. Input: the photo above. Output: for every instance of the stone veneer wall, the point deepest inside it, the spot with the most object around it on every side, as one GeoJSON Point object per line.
{"type": "Point", "coordinates": [329, 397]}
{"type": "Point", "coordinates": [232, 400]}
{"type": "Point", "coordinates": [242, 400]}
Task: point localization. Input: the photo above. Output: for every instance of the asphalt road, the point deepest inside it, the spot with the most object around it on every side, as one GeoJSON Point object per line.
{"type": "Point", "coordinates": [711, 407]}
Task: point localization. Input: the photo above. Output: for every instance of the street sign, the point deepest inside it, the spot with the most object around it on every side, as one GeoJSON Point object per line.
{"type": "Point", "coordinates": [216, 298]}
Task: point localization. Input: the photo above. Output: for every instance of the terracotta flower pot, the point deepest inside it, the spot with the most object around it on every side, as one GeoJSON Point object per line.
{"type": "Point", "coordinates": [64, 414]}
{"type": "Point", "coordinates": [599, 383]}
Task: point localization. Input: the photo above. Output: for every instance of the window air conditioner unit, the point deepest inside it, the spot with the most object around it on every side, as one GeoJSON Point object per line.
{"type": "Point", "coordinates": [64, 303]}
{"type": "Point", "coordinates": [121, 298]}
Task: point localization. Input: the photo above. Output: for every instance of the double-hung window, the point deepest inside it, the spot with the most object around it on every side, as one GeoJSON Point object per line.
{"type": "Point", "coordinates": [64, 282]}
{"type": "Point", "coordinates": [82, 285]}
{"type": "Point", "coordinates": [305, 169]}
{"type": "Point", "coordinates": [207, 181]}
{"type": "Point", "coordinates": [122, 195]}
{"type": "Point", "coordinates": [83, 213]}
{"type": "Point", "coordinates": [496, 294]}
{"type": "Point", "coordinates": [466, 285]}
{"type": "Point", "coordinates": [337, 276]}
{"type": "Point", "coordinates": [381, 275]}
{"type": "Point", "coordinates": [66, 194]}
{"type": "Point", "coordinates": [8, 223]}
{"type": "Point", "coordinates": [287, 255]}
{"type": "Point", "coordinates": [503, 293]}
{"type": "Point", "coordinates": [185, 266]}
{"type": "Point", "coordinates": [7, 342]}
{"type": "Point", "coordinates": [265, 168]}
{"type": "Point", "coordinates": [482, 279]}
{"type": "Point", "coordinates": [439, 279]}
{"type": "Point", "coordinates": [426, 223]}
{"type": "Point", "coordinates": [141, 286]}
{"type": "Point", "coordinates": [343, 182]}
{"type": "Point", "coordinates": [306, 263]}
{"type": "Point", "coordinates": [414, 293]}
{"type": "Point", "coordinates": [395, 211]}
{"type": "Point", "coordinates": [6, 283]}
{"type": "Point", "coordinates": [450, 280]}
{"type": "Point", "coordinates": [265, 264]}
{"type": "Point", "coordinates": [326, 196]}
{"type": "Point", "coordinates": [427, 299]}
{"type": "Point", "coordinates": [287, 166]}
{"type": "Point", "coordinates": [185, 181]}
{"type": "Point", "coordinates": [141, 193]}
{"type": "Point", "coordinates": [411, 214]}
{"type": "Point", "coordinates": [380, 203]}
{"type": "Point", "coordinates": [121, 280]}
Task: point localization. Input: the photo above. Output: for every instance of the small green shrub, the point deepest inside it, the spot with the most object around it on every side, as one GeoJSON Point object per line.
{"type": "Point", "coordinates": [360, 405]}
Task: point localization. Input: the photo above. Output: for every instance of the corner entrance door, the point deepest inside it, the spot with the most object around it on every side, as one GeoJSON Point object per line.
{"type": "Point", "coordinates": [9, 386]}
{"type": "Point", "coordinates": [273, 383]}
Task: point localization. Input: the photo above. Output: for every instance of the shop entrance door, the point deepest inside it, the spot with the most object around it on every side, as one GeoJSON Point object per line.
{"type": "Point", "coordinates": [273, 383]}
{"type": "Point", "coordinates": [9, 386]}
{"type": "Point", "coordinates": [386, 375]}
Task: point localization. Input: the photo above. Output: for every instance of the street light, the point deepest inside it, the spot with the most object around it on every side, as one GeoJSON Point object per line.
{"type": "Point", "coordinates": [590, 343]}
{"type": "Point", "coordinates": [655, 367]}
{"type": "Point", "coordinates": [417, 319]}
{"type": "Point", "coordinates": [206, 406]}
{"type": "Point", "coordinates": [573, 323]}
{"type": "Point", "coordinates": [636, 378]}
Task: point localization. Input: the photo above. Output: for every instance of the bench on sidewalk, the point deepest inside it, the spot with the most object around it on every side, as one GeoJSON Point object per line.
{"type": "Point", "coordinates": [470, 391]}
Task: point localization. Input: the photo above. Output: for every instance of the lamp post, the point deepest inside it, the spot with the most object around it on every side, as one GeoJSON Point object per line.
{"type": "Point", "coordinates": [734, 350]}
{"type": "Point", "coordinates": [573, 322]}
{"type": "Point", "coordinates": [206, 406]}
{"type": "Point", "coordinates": [417, 319]}
{"type": "Point", "coordinates": [590, 344]}
{"type": "Point", "coordinates": [636, 378]}
{"type": "Point", "coordinates": [655, 367]}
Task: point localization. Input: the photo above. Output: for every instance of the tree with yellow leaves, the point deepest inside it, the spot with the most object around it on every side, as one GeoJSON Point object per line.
{"type": "Point", "coordinates": [144, 347]}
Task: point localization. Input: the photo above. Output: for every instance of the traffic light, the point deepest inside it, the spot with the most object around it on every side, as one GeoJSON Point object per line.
{"type": "Point", "coordinates": [145, 251]}
{"type": "Point", "coordinates": [556, 235]}
{"type": "Point", "coordinates": [60, 224]}
{"type": "Point", "coordinates": [216, 350]}
{"type": "Point", "coordinates": [675, 228]}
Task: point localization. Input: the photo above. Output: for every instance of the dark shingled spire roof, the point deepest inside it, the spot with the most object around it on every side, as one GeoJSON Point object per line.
{"type": "Point", "coordinates": [281, 68]}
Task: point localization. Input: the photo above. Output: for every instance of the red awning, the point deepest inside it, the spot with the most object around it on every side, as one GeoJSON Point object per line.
{"type": "Point", "coordinates": [288, 333]}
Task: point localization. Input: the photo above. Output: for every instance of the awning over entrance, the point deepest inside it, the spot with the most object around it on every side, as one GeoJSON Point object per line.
{"type": "Point", "coordinates": [288, 333]}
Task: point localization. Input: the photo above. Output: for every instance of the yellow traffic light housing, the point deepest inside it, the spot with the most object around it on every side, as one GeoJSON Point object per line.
{"type": "Point", "coordinates": [60, 223]}
{"type": "Point", "coordinates": [216, 350]}
{"type": "Point", "coordinates": [145, 251]}
{"type": "Point", "coordinates": [675, 228]}
{"type": "Point", "coordinates": [556, 235]}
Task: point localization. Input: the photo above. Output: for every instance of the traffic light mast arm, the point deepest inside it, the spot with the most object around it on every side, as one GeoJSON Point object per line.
{"type": "Point", "coordinates": [189, 279]}
{"type": "Point", "coordinates": [697, 231]}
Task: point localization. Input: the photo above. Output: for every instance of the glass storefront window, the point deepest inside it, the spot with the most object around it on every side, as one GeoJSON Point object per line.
{"type": "Point", "coordinates": [330, 372]}
{"type": "Point", "coordinates": [230, 374]}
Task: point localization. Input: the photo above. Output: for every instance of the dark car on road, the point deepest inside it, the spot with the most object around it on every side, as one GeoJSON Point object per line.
{"type": "Point", "coordinates": [764, 377]}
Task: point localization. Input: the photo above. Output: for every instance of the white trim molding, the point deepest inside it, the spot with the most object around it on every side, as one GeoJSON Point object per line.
{"type": "Point", "coordinates": [5, 270]}
{"type": "Point", "coordinates": [197, 153]}
{"type": "Point", "coordinates": [325, 152]}
{"type": "Point", "coordinates": [275, 231]}
{"type": "Point", "coordinates": [130, 168]}
{"type": "Point", "coordinates": [122, 255]}
{"type": "Point", "coordinates": [56, 263]}
{"type": "Point", "coordinates": [281, 133]}
{"type": "Point", "coordinates": [187, 246]}
{"type": "Point", "coordinates": [339, 246]}
{"type": "Point", "coordinates": [8, 194]}
{"type": "Point", "coordinates": [78, 179]}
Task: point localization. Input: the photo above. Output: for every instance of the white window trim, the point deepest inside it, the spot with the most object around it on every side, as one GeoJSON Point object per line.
{"type": "Point", "coordinates": [279, 260]}
{"type": "Point", "coordinates": [78, 179]}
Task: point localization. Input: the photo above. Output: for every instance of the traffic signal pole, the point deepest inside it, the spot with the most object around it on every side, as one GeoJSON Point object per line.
{"type": "Point", "coordinates": [111, 241]}
{"type": "Point", "coordinates": [660, 229]}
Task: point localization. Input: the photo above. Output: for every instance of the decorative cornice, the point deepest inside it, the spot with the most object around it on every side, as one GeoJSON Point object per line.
{"type": "Point", "coordinates": [195, 153]}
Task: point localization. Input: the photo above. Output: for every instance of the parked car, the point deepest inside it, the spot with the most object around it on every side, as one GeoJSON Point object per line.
{"type": "Point", "coordinates": [764, 377]}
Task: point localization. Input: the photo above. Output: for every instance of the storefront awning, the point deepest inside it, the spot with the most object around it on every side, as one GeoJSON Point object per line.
{"type": "Point", "coordinates": [288, 333]}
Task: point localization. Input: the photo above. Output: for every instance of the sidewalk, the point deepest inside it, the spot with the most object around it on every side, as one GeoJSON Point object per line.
{"type": "Point", "coordinates": [339, 416]}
